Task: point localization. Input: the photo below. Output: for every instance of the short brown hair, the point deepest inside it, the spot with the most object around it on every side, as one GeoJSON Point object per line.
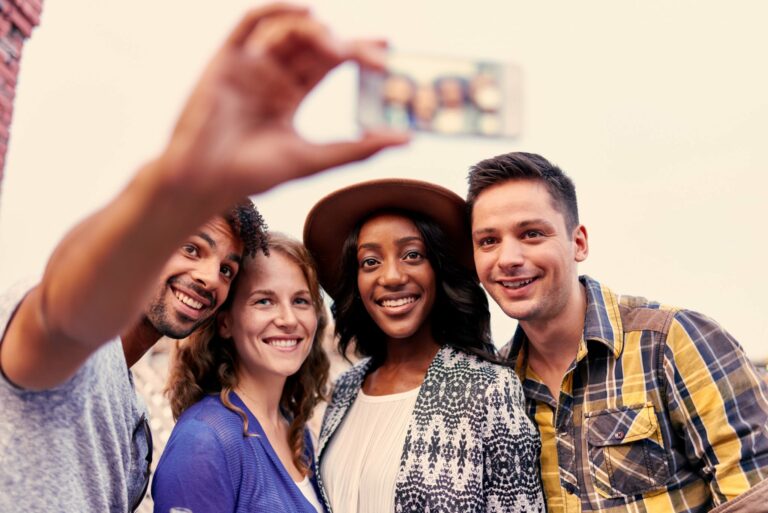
{"type": "Point", "coordinates": [525, 166]}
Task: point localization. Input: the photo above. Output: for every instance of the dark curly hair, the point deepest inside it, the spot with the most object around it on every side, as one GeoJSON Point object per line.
{"type": "Point", "coordinates": [460, 316]}
{"type": "Point", "coordinates": [206, 363]}
{"type": "Point", "coordinates": [248, 224]}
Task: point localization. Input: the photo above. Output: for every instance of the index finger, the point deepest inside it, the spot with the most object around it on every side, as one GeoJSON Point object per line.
{"type": "Point", "coordinates": [369, 53]}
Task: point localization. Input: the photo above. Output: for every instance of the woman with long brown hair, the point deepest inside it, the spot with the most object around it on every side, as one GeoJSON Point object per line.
{"type": "Point", "coordinates": [243, 390]}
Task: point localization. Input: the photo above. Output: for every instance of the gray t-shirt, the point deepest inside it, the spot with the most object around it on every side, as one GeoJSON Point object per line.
{"type": "Point", "coordinates": [79, 447]}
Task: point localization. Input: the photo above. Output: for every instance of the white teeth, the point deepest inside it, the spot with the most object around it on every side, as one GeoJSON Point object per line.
{"type": "Point", "coordinates": [197, 305]}
{"type": "Point", "coordinates": [392, 303]}
{"type": "Point", "coordinates": [283, 342]}
{"type": "Point", "coordinates": [516, 284]}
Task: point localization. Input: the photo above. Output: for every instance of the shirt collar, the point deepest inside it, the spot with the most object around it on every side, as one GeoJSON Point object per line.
{"type": "Point", "coordinates": [602, 322]}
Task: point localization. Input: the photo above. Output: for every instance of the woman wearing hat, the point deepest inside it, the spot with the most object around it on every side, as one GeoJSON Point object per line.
{"type": "Point", "coordinates": [428, 420]}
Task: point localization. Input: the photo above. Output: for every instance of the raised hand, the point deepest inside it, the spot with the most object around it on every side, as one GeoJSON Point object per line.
{"type": "Point", "coordinates": [236, 135]}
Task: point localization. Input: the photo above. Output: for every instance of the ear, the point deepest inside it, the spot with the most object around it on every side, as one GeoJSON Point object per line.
{"type": "Point", "coordinates": [224, 323]}
{"type": "Point", "coordinates": [580, 243]}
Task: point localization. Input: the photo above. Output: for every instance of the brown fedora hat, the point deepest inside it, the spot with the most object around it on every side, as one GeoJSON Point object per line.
{"type": "Point", "coordinates": [331, 220]}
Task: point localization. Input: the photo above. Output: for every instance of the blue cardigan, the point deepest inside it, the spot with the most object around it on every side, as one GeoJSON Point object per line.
{"type": "Point", "coordinates": [208, 465]}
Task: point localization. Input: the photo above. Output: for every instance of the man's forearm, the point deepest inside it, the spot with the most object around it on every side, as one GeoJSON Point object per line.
{"type": "Point", "coordinates": [99, 276]}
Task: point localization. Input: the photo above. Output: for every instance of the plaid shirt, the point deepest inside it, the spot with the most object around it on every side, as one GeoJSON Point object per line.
{"type": "Point", "coordinates": [660, 412]}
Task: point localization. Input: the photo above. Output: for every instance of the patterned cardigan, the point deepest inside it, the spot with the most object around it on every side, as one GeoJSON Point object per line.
{"type": "Point", "coordinates": [469, 446]}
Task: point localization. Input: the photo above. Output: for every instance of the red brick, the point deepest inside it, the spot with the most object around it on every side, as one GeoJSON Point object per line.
{"type": "Point", "coordinates": [6, 105]}
{"type": "Point", "coordinates": [5, 25]}
{"type": "Point", "coordinates": [21, 22]}
{"type": "Point", "coordinates": [8, 76]}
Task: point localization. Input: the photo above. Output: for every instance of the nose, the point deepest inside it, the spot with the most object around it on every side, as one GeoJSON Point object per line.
{"type": "Point", "coordinates": [207, 273]}
{"type": "Point", "coordinates": [392, 275]}
{"type": "Point", "coordinates": [286, 318]}
{"type": "Point", "coordinates": [511, 254]}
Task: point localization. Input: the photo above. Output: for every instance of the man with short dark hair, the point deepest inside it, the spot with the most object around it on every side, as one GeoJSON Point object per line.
{"type": "Point", "coordinates": [157, 260]}
{"type": "Point", "coordinates": [640, 406]}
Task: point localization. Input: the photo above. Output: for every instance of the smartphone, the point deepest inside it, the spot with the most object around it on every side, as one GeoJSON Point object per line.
{"type": "Point", "coordinates": [442, 95]}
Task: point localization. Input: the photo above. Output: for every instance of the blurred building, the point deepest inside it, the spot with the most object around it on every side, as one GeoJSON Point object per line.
{"type": "Point", "coordinates": [17, 19]}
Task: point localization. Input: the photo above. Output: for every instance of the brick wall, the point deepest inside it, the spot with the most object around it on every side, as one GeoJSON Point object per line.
{"type": "Point", "coordinates": [17, 19]}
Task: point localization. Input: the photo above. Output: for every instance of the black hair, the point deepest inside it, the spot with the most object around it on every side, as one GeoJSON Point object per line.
{"type": "Point", "coordinates": [460, 316]}
{"type": "Point", "coordinates": [249, 226]}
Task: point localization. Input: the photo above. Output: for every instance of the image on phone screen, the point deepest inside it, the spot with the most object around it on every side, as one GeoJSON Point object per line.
{"type": "Point", "coordinates": [442, 95]}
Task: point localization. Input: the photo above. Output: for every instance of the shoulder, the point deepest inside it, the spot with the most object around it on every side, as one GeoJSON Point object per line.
{"type": "Point", "coordinates": [640, 314]}
{"type": "Point", "coordinates": [209, 422]}
{"type": "Point", "coordinates": [694, 331]}
{"type": "Point", "coordinates": [456, 364]}
{"type": "Point", "coordinates": [350, 381]}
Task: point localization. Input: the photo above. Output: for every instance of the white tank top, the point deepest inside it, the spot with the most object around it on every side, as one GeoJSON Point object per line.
{"type": "Point", "coordinates": [361, 462]}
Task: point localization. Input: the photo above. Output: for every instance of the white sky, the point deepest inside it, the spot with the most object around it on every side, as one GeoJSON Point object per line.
{"type": "Point", "coordinates": [658, 110]}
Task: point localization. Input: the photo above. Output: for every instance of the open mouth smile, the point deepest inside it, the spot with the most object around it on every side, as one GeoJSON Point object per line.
{"type": "Point", "coordinates": [398, 302]}
{"type": "Point", "coordinates": [191, 302]}
{"type": "Point", "coordinates": [394, 303]}
{"type": "Point", "coordinates": [516, 284]}
{"type": "Point", "coordinates": [283, 342]}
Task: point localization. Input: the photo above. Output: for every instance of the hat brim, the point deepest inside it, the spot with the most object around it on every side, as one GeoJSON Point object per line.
{"type": "Point", "coordinates": [331, 220]}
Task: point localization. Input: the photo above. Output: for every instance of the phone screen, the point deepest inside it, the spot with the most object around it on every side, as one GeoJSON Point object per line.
{"type": "Point", "coordinates": [442, 95]}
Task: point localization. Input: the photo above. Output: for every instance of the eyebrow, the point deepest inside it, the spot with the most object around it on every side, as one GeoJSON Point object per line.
{"type": "Point", "coordinates": [268, 292]}
{"type": "Point", "coordinates": [534, 222]}
{"type": "Point", "coordinates": [399, 242]}
{"type": "Point", "coordinates": [207, 238]}
{"type": "Point", "coordinates": [261, 292]}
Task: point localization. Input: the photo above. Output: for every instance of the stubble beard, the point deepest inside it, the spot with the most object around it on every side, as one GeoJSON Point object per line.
{"type": "Point", "coordinates": [158, 316]}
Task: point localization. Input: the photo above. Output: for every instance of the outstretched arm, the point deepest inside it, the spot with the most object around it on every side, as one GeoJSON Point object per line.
{"type": "Point", "coordinates": [235, 137]}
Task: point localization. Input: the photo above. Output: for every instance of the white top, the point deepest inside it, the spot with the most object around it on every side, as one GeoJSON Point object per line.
{"type": "Point", "coordinates": [309, 492]}
{"type": "Point", "coordinates": [362, 460]}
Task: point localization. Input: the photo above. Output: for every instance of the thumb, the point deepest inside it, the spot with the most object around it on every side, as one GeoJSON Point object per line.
{"type": "Point", "coordinates": [325, 156]}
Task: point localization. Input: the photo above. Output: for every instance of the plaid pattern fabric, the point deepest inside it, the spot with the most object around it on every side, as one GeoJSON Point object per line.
{"type": "Point", "coordinates": [660, 412]}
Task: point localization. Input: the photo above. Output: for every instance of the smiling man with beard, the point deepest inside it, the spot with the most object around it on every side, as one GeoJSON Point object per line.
{"type": "Point", "coordinates": [158, 259]}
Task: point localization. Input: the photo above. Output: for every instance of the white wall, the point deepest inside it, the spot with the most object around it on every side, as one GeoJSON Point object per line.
{"type": "Point", "coordinates": [658, 110]}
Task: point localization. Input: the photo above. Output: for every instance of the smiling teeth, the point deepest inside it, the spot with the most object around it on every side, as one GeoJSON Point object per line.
{"type": "Point", "coordinates": [289, 342]}
{"type": "Point", "coordinates": [516, 284]}
{"type": "Point", "coordinates": [393, 303]}
{"type": "Point", "coordinates": [197, 305]}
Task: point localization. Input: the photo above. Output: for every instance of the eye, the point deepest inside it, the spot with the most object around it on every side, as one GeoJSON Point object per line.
{"type": "Point", "coordinates": [487, 241]}
{"type": "Point", "coordinates": [228, 271]}
{"type": "Point", "coordinates": [191, 250]}
{"type": "Point", "coordinates": [368, 262]}
{"type": "Point", "coordinates": [302, 301]}
{"type": "Point", "coordinates": [264, 301]}
{"type": "Point", "coordinates": [413, 255]}
{"type": "Point", "coordinates": [532, 234]}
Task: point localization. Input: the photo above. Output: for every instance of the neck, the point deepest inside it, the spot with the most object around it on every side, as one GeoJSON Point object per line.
{"type": "Point", "coordinates": [261, 393]}
{"type": "Point", "coordinates": [555, 342]}
{"type": "Point", "coordinates": [139, 339]}
{"type": "Point", "coordinates": [418, 349]}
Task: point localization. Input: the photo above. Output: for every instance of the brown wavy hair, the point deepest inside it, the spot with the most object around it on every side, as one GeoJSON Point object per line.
{"type": "Point", "coordinates": [205, 363]}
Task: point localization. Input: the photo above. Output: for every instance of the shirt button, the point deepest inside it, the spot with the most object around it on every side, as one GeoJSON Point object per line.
{"type": "Point", "coordinates": [619, 435]}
